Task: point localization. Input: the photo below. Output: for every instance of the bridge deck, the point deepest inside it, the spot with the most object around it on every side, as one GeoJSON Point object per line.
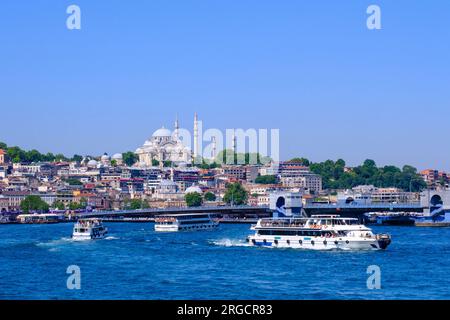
{"type": "Point", "coordinates": [258, 210]}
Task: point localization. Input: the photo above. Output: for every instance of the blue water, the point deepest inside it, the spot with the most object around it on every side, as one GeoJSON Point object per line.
{"type": "Point", "coordinates": [134, 262]}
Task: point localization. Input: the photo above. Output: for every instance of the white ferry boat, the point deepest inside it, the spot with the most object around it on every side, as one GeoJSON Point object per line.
{"type": "Point", "coordinates": [320, 232]}
{"type": "Point", "coordinates": [89, 229]}
{"type": "Point", "coordinates": [185, 222]}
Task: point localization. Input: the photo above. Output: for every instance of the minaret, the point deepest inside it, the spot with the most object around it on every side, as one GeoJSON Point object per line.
{"type": "Point", "coordinates": [195, 136]}
{"type": "Point", "coordinates": [233, 146]}
{"type": "Point", "coordinates": [177, 128]}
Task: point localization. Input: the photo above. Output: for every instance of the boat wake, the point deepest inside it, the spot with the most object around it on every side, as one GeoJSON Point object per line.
{"type": "Point", "coordinates": [230, 243]}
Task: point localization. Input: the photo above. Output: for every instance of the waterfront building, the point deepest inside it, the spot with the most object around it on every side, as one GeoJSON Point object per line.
{"type": "Point", "coordinates": [15, 198]}
{"type": "Point", "coordinates": [4, 203]}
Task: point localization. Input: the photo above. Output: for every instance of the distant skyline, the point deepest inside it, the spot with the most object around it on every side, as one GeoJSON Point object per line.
{"type": "Point", "coordinates": [311, 69]}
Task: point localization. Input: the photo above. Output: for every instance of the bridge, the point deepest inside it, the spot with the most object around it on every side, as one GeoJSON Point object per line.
{"type": "Point", "coordinates": [235, 211]}
{"type": "Point", "coordinates": [351, 210]}
{"type": "Point", "coordinates": [432, 203]}
{"type": "Point", "coordinates": [356, 210]}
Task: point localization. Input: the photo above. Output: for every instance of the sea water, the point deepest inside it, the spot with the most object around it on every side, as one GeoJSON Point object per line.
{"type": "Point", "coordinates": [135, 262]}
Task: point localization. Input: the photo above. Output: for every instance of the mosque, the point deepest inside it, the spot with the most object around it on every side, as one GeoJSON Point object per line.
{"type": "Point", "coordinates": [165, 145]}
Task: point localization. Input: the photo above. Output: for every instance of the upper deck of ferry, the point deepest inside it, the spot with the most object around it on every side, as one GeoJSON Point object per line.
{"type": "Point", "coordinates": [313, 222]}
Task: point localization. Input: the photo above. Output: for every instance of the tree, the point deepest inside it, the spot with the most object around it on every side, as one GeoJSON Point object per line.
{"type": "Point", "coordinates": [303, 161]}
{"type": "Point", "coordinates": [129, 158]}
{"type": "Point", "coordinates": [235, 194]}
{"type": "Point", "coordinates": [114, 162]}
{"type": "Point", "coordinates": [33, 203]}
{"type": "Point", "coordinates": [209, 196]}
{"type": "Point", "coordinates": [168, 164]}
{"type": "Point", "coordinates": [60, 157]}
{"type": "Point", "coordinates": [334, 176]}
{"type": "Point", "coordinates": [155, 163]}
{"type": "Point", "coordinates": [136, 204]}
{"type": "Point", "coordinates": [73, 182]}
{"type": "Point", "coordinates": [77, 158]}
{"type": "Point", "coordinates": [269, 179]}
{"type": "Point", "coordinates": [59, 205]}
{"type": "Point", "coordinates": [83, 203]}
{"type": "Point", "coordinates": [3, 145]}
{"type": "Point", "coordinates": [74, 206]}
{"type": "Point", "coordinates": [193, 199]}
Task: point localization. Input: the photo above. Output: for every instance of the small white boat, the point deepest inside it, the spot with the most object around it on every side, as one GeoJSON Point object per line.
{"type": "Point", "coordinates": [185, 222]}
{"type": "Point", "coordinates": [321, 232]}
{"type": "Point", "coordinates": [89, 229]}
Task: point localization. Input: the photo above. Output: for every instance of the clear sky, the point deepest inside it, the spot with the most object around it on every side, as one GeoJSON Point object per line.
{"type": "Point", "coordinates": [310, 68]}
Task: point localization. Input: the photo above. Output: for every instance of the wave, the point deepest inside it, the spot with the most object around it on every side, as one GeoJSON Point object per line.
{"type": "Point", "coordinates": [230, 243]}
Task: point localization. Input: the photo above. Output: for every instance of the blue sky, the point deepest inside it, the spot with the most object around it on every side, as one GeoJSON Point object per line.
{"type": "Point", "coordinates": [310, 68]}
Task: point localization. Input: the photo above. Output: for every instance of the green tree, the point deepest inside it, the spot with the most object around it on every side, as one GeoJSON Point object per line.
{"type": "Point", "coordinates": [269, 179]}
{"type": "Point", "coordinates": [59, 205]}
{"type": "Point", "coordinates": [136, 204]}
{"type": "Point", "coordinates": [303, 161]}
{"type": "Point", "coordinates": [3, 145]}
{"type": "Point", "coordinates": [168, 164]}
{"type": "Point", "coordinates": [209, 196]}
{"type": "Point", "coordinates": [193, 199]}
{"type": "Point", "coordinates": [77, 158]}
{"type": "Point", "coordinates": [83, 203]}
{"type": "Point", "coordinates": [235, 194]}
{"type": "Point", "coordinates": [33, 156]}
{"type": "Point", "coordinates": [16, 154]}
{"type": "Point", "coordinates": [155, 163]}
{"type": "Point", "coordinates": [114, 162]}
{"type": "Point", "coordinates": [74, 206]}
{"type": "Point", "coordinates": [129, 158]}
{"type": "Point", "coordinates": [60, 157]}
{"type": "Point", "coordinates": [73, 182]}
{"type": "Point", "coordinates": [33, 203]}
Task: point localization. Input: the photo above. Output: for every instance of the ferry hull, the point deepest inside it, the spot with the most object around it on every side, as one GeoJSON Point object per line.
{"type": "Point", "coordinates": [177, 228]}
{"type": "Point", "coordinates": [318, 243]}
{"type": "Point", "coordinates": [86, 236]}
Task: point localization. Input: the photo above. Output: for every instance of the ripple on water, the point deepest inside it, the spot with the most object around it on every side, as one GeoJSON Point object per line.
{"type": "Point", "coordinates": [216, 265]}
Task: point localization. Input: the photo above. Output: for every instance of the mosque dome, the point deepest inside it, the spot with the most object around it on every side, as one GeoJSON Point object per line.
{"type": "Point", "coordinates": [92, 163]}
{"type": "Point", "coordinates": [117, 156]}
{"type": "Point", "coordinates": [193, 189]}
{"type": "Point", "coordinates": [105, 157]}
{"type": "Point", "coordinates": [162, 133]}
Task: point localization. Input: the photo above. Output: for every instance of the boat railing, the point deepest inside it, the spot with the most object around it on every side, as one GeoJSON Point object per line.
{"type": "Point", "coordinates": [282, 223]}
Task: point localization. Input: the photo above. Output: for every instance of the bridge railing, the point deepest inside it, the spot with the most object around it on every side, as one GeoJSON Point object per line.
{"type": "Point", "coordinates": [380, 205]}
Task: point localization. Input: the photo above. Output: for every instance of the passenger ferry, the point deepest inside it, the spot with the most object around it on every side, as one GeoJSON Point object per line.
{"type": "Point", "coordinates": [89, 229]}
{"type": "Point", "coordinates": [185, 222]}
{"type": "Point", "coordinates": [320, 232]}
